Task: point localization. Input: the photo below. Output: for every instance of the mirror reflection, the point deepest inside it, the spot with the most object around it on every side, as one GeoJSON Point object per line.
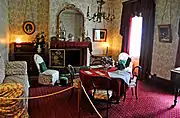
{"type": "Point", "coordinates": [70, 25]}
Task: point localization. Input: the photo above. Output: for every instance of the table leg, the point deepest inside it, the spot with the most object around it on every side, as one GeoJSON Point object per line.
{"type": "Point", "coordinates": [176, 95]}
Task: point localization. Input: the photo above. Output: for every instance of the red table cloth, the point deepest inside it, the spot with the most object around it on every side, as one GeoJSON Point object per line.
{"type": "Point", "coordinates": [115, 84]}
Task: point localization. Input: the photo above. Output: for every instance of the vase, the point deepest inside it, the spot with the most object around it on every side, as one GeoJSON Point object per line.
{"type": "Point", "coordinates": [39, 49]}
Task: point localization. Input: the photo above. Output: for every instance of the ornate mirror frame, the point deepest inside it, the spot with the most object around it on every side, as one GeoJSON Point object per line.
{"type": "Point", "coordinates": [71, 7]}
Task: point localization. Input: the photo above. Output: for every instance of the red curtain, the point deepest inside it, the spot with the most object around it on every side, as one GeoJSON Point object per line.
{"type": "Point", "coordinates": [130, 8]}
{"type": "Point", "coordinates": [148, 13]}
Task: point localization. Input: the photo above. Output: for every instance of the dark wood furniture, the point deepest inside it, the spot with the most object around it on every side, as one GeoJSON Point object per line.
{"type": "Point", "coordinates": [25, 52]}
{"type": "Point", "coordinates": [175, 77]}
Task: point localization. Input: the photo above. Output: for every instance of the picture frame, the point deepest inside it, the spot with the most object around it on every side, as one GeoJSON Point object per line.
{"type": "Point", "coordinates": [29, 27]}
{"type": "Point", "coordinates": [165, 34]}
{"type": "Point", "coordinates": [99, 35]}
{"type": "Point", "coordinates": [57, 58]}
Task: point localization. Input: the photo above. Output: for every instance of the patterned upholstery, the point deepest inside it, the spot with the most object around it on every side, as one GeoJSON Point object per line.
{"type": "Point", "coordinates": [12, 108]}
{"type": "Point", "coordinates": [16, 68]}
{"type": "Point", "coordinates": [16, 72]}
{"type": "Point", "coordinates": [48, 77]}
{"type": "Point", "coordinates": [15, 84]}
{"type": "Point", "coordinates": [101, 94]}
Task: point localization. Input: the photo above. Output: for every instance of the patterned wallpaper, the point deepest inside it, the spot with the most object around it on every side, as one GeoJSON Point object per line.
{"type": "Point", "coordinates": [22, 10]}
{"type": "Point", "coordinates": [4, 29]}
{"type": "Point", "coordinates": [164, 54]}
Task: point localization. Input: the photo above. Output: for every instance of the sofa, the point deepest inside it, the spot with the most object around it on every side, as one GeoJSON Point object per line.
{"type": "Point", "coordinates": [14, 83]}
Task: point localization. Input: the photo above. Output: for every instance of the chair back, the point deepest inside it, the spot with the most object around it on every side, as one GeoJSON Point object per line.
{"type": "Point", "coordinates": [137, 71]}
{"type": "Point", "coordinates": [71, 72]}
{"type": "Point", "coordinates": [123, 56]}
{"type": "Point", "coordinates": [38, 59]}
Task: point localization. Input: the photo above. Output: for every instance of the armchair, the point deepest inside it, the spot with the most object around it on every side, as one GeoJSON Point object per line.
{"type": "Point", "coordinates": [46, 76]}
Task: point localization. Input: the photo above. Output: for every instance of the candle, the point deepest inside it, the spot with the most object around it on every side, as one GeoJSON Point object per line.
{"type": "Point", "coordinates": [107, 50]}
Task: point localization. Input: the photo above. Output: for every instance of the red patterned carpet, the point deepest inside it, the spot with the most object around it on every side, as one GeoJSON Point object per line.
{"type": "Point", "coordinates": [152, 103]}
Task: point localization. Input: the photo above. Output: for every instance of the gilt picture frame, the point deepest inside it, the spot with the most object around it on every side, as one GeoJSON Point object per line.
{"type": "Point", "coordinates": [99, 35]}
{"type": "Point", "coordinates": [165, 34]}
{"type": "Point", "coordinates": [57, 58]}
{"type": "Point", "coordinates": [29, 27]}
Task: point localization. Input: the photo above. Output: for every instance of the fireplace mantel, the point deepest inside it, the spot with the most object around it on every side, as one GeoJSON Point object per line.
{"type": "Point", "coordinates": [70, 50]}
{"type": "Point", "coordinates": [65, 44]}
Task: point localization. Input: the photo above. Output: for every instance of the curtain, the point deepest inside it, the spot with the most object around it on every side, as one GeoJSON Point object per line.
{"type": "Point", "coordinates": [130, 8]}
{"type": "Point", "coordinates": [177, 64]}
{"type": "Point", "coordinates": [148, 13]}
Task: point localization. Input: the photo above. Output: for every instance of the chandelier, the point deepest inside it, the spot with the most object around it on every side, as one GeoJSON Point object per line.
{"type": "Point", "coordinates": [99, 15]}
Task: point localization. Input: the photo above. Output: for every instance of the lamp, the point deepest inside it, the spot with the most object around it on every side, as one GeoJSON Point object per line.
{"type": "Point", "coordinates": [99, 14]}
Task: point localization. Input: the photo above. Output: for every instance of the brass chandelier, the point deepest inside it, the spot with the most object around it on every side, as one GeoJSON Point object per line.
{"type": "Point", "coordinates": [100, 15]}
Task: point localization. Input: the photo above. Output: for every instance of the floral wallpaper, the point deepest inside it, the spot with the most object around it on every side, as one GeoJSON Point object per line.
{"type": "Point", "coordinates": [23, 10]}
{"type": "Point", "coordinates": [164, 54]}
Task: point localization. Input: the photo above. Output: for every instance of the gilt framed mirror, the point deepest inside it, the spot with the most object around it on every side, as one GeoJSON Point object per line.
{"type": "Point", "coordinates": [70, 24]}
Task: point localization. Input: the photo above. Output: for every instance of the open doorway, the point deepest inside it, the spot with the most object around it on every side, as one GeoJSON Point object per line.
{"type": "Point", "coordinates": [135, 39]}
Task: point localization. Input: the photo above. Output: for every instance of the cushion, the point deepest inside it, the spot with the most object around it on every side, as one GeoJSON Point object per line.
{"type": "Point", "coordinates": [43, 66]}
{"type": "Point", "coordinates": [101, 94]}
{"type": "Point", "coordinates": [123, 62]}
{"type": "Point", "coordinates": [2, 70]}
{"type": "Point", "coordinates": [16, 68]}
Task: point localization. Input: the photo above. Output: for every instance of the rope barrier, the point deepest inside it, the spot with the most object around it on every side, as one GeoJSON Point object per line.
{"type": "Point", "coordinates": [41, 96]}
{"type": "Point", "coordinates": [91, 102]}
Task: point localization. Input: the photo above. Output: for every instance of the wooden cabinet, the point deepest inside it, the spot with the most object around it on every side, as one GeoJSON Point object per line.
{"type": "Point", "coordinates": [25, 52]}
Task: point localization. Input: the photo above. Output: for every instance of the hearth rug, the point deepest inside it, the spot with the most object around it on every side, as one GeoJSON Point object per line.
{"type": "Point", "coordinates": [12, 108]}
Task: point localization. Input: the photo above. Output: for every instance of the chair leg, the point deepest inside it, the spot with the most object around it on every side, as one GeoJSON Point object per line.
{"type": "Point", "coordinates": [132, 91]}
{"type": "Point", "coordinates": [107, 110]}
{"type": "Point", "coordinates": [136, 92]}
{"type": "Point", "coordinates": [124, 96]}
{"type": "Point", "coordinates": [72, 91]}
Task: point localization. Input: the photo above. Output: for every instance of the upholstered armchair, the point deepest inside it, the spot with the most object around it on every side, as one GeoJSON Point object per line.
{"type": "Point", "coordinates": [13, 84]}
{"type": "Point", "coordinates": [46, 76]}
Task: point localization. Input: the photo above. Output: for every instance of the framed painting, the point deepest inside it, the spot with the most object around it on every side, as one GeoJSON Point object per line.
{"type": "Point", "coordinates": [165, 33]}
{"type": "Point", "coordinates": [29, 27]}
{"type": "Point", "coordinates": [99, 35]}
{"type": "Point", "coordinates": [57, 58]}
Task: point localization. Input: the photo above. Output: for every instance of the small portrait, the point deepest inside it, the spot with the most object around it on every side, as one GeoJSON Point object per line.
{"type": "Point", "coordinates": [29, 27]}
{"type": "Point", "coordinates": [99, 35]}
{"type": "Point", "coordinates": [165, 33]}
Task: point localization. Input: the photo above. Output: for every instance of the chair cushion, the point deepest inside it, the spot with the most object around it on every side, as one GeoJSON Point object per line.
{"type": "Point", "coordinates": [101, 94]}
{"type": "Point", "coordinates": [48, 77]}
{"type": "Point", "coordinates": [43, 66]}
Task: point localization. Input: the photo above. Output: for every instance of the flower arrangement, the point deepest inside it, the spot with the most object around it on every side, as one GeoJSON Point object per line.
{"type": "Point", "coordinates": [39, 41]}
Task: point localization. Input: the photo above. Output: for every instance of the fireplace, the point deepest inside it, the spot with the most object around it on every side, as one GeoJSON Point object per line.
{"type": "Point", "coordinates": [75, 52]}
{"type": "Point", "coordinates": [73, 57]}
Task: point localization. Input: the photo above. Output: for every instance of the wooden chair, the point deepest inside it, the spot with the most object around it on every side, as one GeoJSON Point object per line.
{"type": "Point", "coordinates": [134, 81]}
{"type": "Point", "coordinates": [100, 92]}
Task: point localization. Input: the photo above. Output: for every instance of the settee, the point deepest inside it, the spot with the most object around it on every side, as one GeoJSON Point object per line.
{"type": "Point", "coordinates": [13, 83]}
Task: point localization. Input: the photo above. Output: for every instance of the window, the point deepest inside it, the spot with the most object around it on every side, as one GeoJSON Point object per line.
{"type": "Point", "coordinates": [135, 37]}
